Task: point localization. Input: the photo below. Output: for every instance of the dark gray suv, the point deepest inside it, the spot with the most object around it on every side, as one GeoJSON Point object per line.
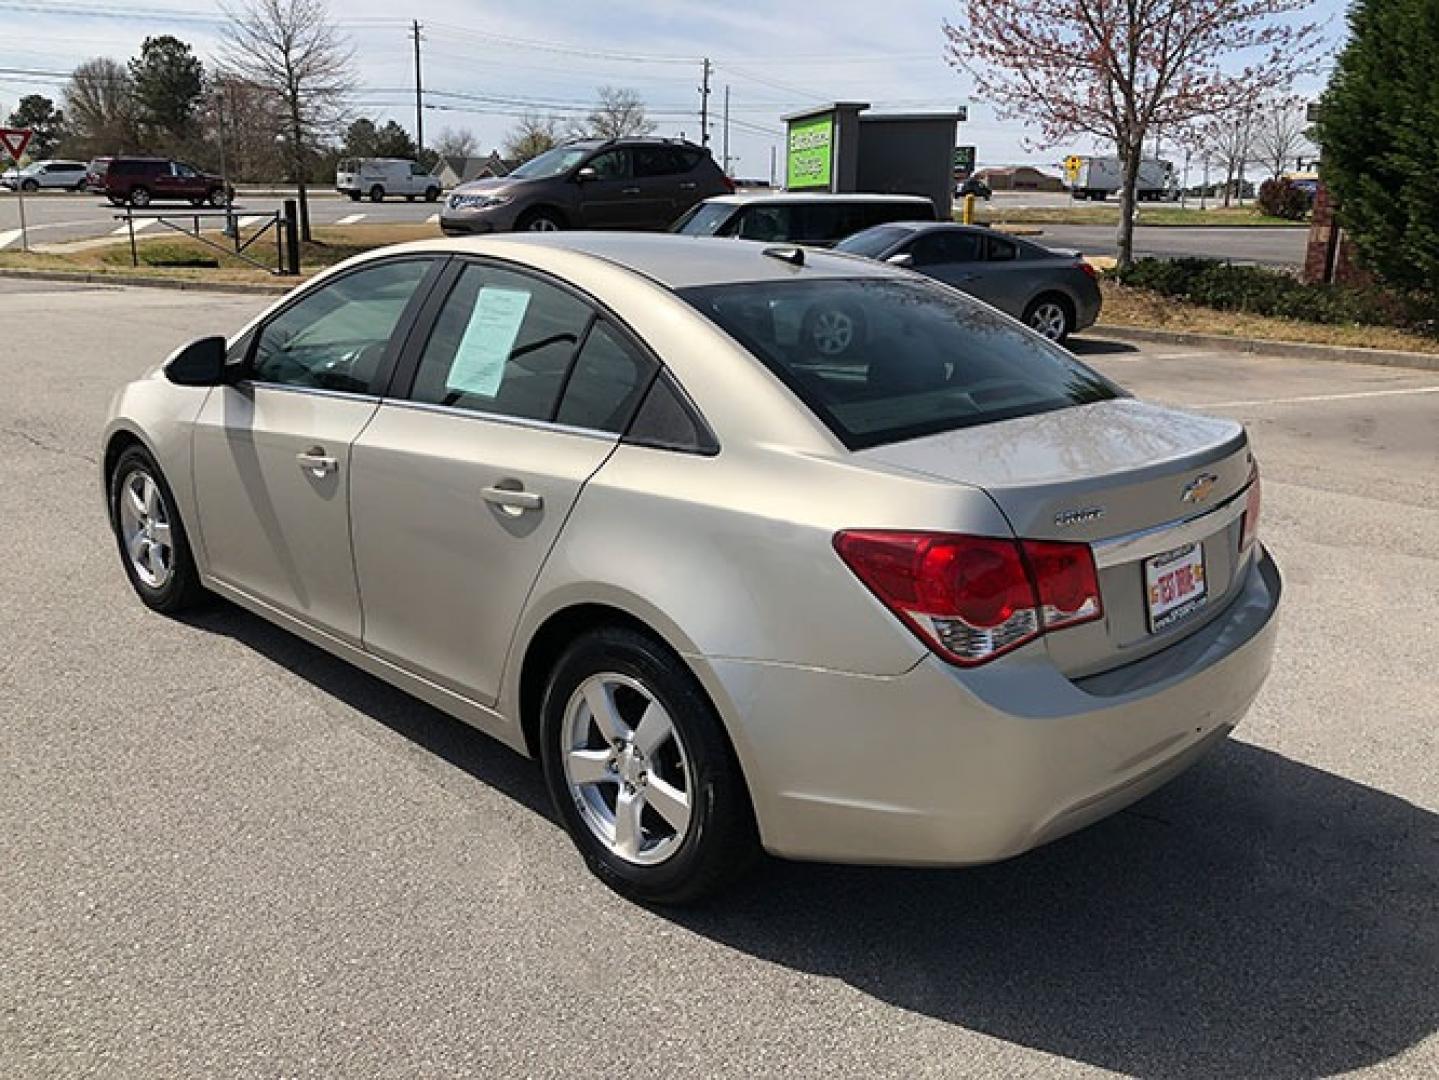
{"type": "Point", "coordinates": [589, 184]}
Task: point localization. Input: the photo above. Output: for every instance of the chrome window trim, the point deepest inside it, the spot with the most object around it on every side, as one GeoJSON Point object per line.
{"type": "Point", "coordinates": [1173, 534]}
{"type": "Point", "coordinates": [500, 418]}
{"type": "Point", "coordinates": [318, 391]}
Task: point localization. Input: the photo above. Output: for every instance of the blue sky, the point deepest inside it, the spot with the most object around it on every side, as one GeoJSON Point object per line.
{"type": "Point", "coordinates": [487, 60]}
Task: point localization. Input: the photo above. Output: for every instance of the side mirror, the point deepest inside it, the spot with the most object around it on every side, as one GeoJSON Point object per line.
{"type": "Point", "coordinates": [586, 174]}
{"type": "Point", "coordinates": [200, 363]}
{"type": "Point", "coordinates": [903, 258]}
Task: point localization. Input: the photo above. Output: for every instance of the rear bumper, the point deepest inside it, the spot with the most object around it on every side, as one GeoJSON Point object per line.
{"type": "Point", "coordinates": [947, 767]}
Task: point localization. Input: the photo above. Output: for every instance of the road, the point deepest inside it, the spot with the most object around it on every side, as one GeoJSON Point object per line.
{"type": "Point", "coordinates": [60, 217]}
{"type": "Point", "coordinates": [1266, 246]}
{"type": "Point", "coordinates": [56, 218]}
{"type": "Point", "coordinates": [226, 854]}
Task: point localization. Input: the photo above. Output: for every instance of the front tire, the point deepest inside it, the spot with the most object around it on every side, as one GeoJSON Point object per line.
{"type": "Point", "coordinates": [154, 548]}
{"type": "Point", "coordinates": [641, 772]}
{"type": "Point", "coordinates": [540, 221]}
{"type": "Point", "coordinates": [216, 197]}
{"type": "Point", "coordinates": [139, 196]}
{"type": "Point", "coordinates": [29, 185]}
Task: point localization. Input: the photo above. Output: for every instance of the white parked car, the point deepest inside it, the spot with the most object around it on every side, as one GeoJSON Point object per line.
{"type": "Point", "coordinates": [374, 178]}
{"type": "Point", "coordinates": [46, 174]}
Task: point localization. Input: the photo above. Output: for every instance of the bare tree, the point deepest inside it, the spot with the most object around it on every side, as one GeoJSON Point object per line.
{"type": "Point", "coordinates": [1117, 68]}
{"type": "Point", "coordinates": [290, 48]}
{"type": "Point", "coordinates": [100, 108]}
{"type": "Point", "coordinates": [1280, 133]}
{"type": "Point", "coordinates": [1228, 140]}
{"type": "Point", "coordinates": [618, 113]}
{"type": "Point", "coordinates": [455, 142]}
{"type": "Point", "coordinates": [531, 136]}
{"type": "Point", "coordinates": [241, 119]}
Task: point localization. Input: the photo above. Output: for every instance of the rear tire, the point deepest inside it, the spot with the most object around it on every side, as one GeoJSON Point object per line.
{"type": "Point", "coordinates": [216, 197]}
{"type": "Point", "coordinates": [154, 548]}
{"type": "Point", "coordinates": [377, 194]}
{"type": "Point", "coordinates": [609, 767]}
{"type": "Point", "coordinates": [139, 196]}
{"type": "Point", "coordinates": [1051, 316]}
{"type": "Point", "coordinates": [354, 196]}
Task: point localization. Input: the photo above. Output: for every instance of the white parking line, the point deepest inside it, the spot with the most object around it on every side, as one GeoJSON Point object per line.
{"type": "Point", "coordinates": [433, 219]}
{"type": "Point", "coordinates": [8, 238]}
{"type": "Point", "coordinates": [246, 222]}
{"type": "Point", "coordinates": [142, 223]}
{"type": "Point", "coordinates": [1319, 397]}
{"type": "Point", "coordinates": [350, 219]}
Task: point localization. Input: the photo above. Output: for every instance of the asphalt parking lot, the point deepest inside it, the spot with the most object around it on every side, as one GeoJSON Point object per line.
{"type": "Point", "coordinates": [223, 853]}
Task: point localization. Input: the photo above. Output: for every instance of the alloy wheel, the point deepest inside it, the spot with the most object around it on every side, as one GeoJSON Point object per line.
{"type": "Point", "coordinates": [626, 768]}
{"type": "Point", "coordinates": [833, 332]}
{"type": "Point", "coordinates": [145, 529]}
{"type": "Point", "coordinates": [544, 224]}
{"type": "Point", "coordinates": [1049, 320]}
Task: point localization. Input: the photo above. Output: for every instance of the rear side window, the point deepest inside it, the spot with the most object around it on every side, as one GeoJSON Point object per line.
{"type": "Point", "coordinates": [946, 246]}
{"type": "Point", "coordinates": [502, 344]}
{"type": "Point", "coordinates": [998, 249]}
{"type": "Point", "coordinates": [609, 378]}
{"type": "Point", "coordinates": [768, 223]}
{"type": "Point", "coordinates": [872, 243]}
{"type": "Point", "coordinates": [658, 161]}
{"type": "Point", "coordinates": [880, 360]}
{"type": "Point", "coordinates": [668, 421]}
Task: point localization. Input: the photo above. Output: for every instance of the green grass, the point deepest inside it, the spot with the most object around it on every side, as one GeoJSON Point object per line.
{"type": "Point", "coordinates": [1149, 214]}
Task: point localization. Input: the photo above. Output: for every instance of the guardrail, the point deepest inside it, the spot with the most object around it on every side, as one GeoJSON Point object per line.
{"type": "Point", "coordinates": [284, 222]}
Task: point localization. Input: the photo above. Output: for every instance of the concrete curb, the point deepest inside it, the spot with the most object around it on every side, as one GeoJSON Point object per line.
{"type": "Point", "coordinates": [75, 277]}
{"type": "Point", "coordinates": [1292, 350]}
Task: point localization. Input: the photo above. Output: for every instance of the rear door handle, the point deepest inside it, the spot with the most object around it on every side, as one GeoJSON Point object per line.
{"type": "Point", "coordinates": [512, 500]}
{"type": "Point", "coordinates": [687, 185]}
{"type": "Point", "coordinates": [629, 191]}
{"type": "Point", "coordinates": [317, 462]}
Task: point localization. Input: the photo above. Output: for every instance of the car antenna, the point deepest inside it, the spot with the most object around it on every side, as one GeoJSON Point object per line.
{"type": "Point", "coordinates": [792, 255]}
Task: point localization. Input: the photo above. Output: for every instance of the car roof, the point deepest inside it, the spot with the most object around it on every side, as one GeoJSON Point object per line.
{"type": "Point", "coordinates": [819, 197]}
{"type": "Point", "coordinates": [669, 259]}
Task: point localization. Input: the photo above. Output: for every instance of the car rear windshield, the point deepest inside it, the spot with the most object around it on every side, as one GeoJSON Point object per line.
{"type": "Point", "coordinates": [881, 360]}
{"type": "Point", "coordinates": [706, 219]}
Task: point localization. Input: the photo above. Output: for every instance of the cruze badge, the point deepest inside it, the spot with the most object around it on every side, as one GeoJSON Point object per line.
{"type": "Point", "coordinates": [1198, 489]}
{"type": "Point", "coordinates": [1076, 517]}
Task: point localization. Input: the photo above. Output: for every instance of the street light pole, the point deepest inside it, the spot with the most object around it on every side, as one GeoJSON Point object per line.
{"type": "Point", "coordinates": [419, 93]}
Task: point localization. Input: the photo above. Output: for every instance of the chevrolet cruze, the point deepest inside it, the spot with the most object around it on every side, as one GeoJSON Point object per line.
{"type": "Point", "coordinates": [933, 594]}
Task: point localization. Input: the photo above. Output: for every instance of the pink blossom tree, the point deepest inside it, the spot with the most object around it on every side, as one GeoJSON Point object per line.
{"type": "Point", "coordinates": [1115, 69]}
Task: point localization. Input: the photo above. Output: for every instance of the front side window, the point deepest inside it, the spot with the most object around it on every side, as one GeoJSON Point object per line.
{"type": "Point", "coordinates": [613, 165]}
{"type": "Point", "coordinates": [551, 163]}
{"type": "Point", "coordinates": [766, 223]}
{"type": "Point", "coordinates": [879, 360]}
{"type": "Point", "coordinates": [417, 169]}
{"type": "Point", "coordinates": [335, 337]}
{"type": "Point", "coordinates": [502, 344]}
{"type": "Point", "coordinates": [705, 219]}
{"type": "Point", "coordinates": [182, 170]}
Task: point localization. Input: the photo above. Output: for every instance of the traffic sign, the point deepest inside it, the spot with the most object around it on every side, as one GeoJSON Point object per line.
{"type": "Point", "coordinates": [15, 140]}
{"type": "Point", "coordinates": [1072, 165]}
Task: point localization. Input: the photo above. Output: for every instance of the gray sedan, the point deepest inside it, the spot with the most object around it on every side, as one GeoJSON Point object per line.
{"type": "Point", "coordinates": [933, 598]}
{"type": "Point", "coordinates": [1053, 292]}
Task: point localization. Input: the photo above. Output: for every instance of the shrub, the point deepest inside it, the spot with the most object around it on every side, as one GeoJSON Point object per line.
{"type": "Point", "coordinates": [1263, 291]}
{"type": "Point", "coordinates": [1284, 199]}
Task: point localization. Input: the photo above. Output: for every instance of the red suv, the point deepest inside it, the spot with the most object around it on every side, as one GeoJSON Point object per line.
{"type": "Point", "coordinates": [141, 181]}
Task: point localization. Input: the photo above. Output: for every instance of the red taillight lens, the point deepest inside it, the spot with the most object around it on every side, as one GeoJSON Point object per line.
{"type": "Point", "coordinates": [1089, 269]}
{"type": "Point", "coordinates": [1250, 530]}
{"type": "Point", "coordinates": [972, 598]}
{"type": "Point", "coordinates": [729, 184]}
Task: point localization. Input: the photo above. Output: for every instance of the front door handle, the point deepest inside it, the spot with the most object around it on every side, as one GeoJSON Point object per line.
{"type": "Point", "coordinates": [512, 500]}
{"type": "Point", "coordinates": [629, 191]}
{"type": "Point", "coordinates": [316, 462]}
{"type": "Point", "coordinates": [687, 185]}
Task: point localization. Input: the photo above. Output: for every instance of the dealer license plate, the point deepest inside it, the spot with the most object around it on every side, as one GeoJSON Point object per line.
{"type": "Point", "coordinates": [1174, 585]}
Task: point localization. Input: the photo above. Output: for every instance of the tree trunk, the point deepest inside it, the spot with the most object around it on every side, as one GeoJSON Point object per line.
{"type": "Point", "coordinates": [297, 157]}
{"type": "Point", "coordinates": [1124, 238]}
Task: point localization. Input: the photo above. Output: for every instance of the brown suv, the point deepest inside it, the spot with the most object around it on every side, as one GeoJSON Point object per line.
{"type": "Point", "coordinates": [141, 181]}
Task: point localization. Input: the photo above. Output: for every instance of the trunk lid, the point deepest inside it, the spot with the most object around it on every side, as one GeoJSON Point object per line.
{"type": "Point", "coordinates": [1135, 481]}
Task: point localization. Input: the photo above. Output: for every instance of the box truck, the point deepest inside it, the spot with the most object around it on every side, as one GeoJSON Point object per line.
{"type": "Point", "coordinates": [1100, 177]}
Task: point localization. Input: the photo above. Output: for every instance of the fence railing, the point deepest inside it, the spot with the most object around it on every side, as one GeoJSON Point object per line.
{"type": "Point", "coordinates": [188, 223]}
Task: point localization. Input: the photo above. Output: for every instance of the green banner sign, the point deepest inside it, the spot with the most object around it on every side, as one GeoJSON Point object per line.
{"type": "Point", "coordinates": [811, 153]}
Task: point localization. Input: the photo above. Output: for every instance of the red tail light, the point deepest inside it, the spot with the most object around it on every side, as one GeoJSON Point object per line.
{"type": "Point", "coordinates": [728, 183]}
{"type": "Point", "coordinates": [972, 598]}
{"type": "Point", "coordinates": [1089, 269]}
{"type": "Point", "coordinates": [1250, 530]}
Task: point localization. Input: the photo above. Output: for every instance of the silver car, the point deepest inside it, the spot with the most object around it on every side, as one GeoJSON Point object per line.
{"type": "Point", "coordinates": [936, 600]}
{"type": "Point", "coordinates": [1054, 292]}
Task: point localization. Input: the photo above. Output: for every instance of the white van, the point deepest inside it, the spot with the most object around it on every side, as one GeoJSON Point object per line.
{"type": "Point", "coordinates": [374, 178]}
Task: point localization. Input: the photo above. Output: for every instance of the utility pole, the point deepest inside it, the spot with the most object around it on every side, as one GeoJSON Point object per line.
{"type": "Point", "coordinates": [771, 164]}
{"type": "Point", "coordinates": [705, 103]}
{"type": "Point", "coordinates": [419, 93]}
{"type": "Point", "coordinates": [725, 142]}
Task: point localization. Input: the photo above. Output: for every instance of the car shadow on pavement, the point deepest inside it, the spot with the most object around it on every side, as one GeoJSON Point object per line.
{"type": "Point", "coordinates": [1089, 346]}
{"type": "Point", "coordinates": [1256, 917]}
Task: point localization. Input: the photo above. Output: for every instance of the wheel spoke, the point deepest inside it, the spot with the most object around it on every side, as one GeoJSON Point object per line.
{"type": "Point", "coordinates": [161, 531]}
{"type": "Point", "coordinates": [136, 545]}
{"type": "Point", "coordinates": [155, 558]}
{"type": "Point", "coordinates": [654, 728]}
{"type": "Point", "coordinates": [606, 716]}
{"type": "Point", "coordinates": [149, 496]}
{"type": "Point", "coordinates": [669, 802]}
{"type": "Point", "coordinates": [629, 805]}
{"type": "Point", "coordinates": [134, 498]}
{"type": "Point", "coordinates": [589, 767]}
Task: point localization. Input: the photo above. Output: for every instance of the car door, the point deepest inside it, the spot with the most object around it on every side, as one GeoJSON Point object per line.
{"type": "Point", "coordinates": [271, 452]}
{"type": "Point", "coordinates": [953, 256]}
{"type": "Point", "coordinates": [612, 199]}
{"type": "Point", "coordinates": [659, 171]}
{"type": "Point", "coordinates": [460, 487]}
{"type": "Point", "coordinates": [1004, 280]}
